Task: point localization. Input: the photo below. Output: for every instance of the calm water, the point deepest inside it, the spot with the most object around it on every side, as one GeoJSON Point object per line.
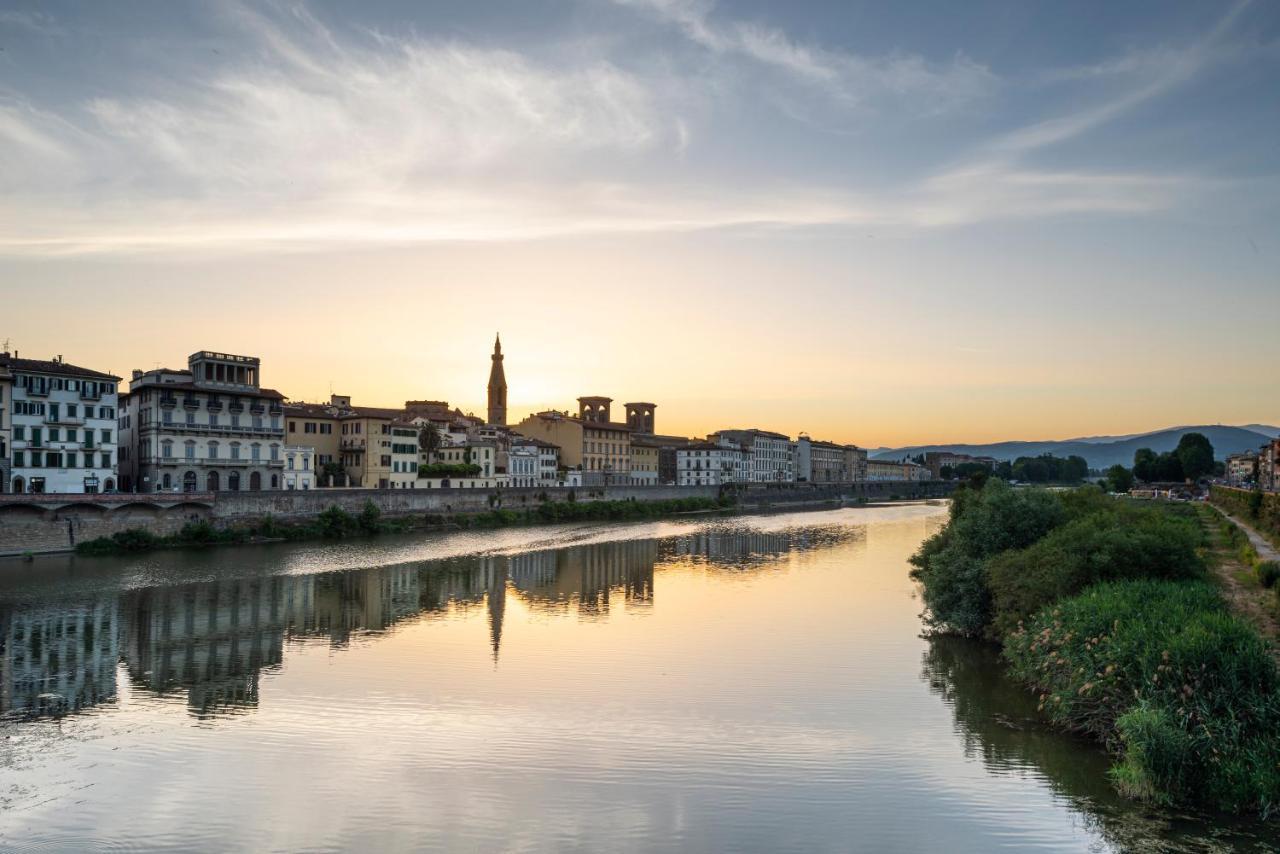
{"type": "Point", "coordinates": [757, 684]}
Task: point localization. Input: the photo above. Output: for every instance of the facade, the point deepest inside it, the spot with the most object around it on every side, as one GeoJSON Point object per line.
{"type": "Point", "coordinates": [6, 392]}
{"type": "Point", "coordinates": [935, 461]}
{"type": "Point", "coordinates": [1268, 466]}
{"type": "Point", "coordinates": [820, 462]}
{"type": "Point", "coordinates": [770, 456]}
{"type": "Point", "coordinates": [318, 426]}
{"type": "Point", "coordinates": [480, 453]}
{"type": "Point", "coordinates": [62, 424]}
{"type": "Point", "coordinates": [209, 428]}
{"type": "Point", "coordinates": [708, 464]}
{"type": "Point", "coordinates": [599, 448]}
{"type": "Point", "coordinates": [892, 470]}
{"type": "Point", "coordinates": [855, 463]}
{"type": "Point", "coordinates": [497, 386]}
{"type": "Point", "coordinates": [364, 446]}
{"type": "Point", "coordinates": [1242, 469]}
{"type": "Point", "coordinates": [404, 455]}
{"type": "Point", "coordinates": [299, 467]}
{"type": "Point", "coordinates": [522, 463]}
{"type": "Point", "coordinates": [645, 461]}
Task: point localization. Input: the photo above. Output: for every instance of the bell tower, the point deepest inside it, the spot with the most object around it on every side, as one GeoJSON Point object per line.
{"type": "Point", "coordinates": [497, 387]}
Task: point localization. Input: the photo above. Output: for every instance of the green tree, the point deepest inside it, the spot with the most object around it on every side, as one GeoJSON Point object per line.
{"type": "Point", "coordinates": [1144, 465]}
{"type": "Point", "coordinates": [429, 439]}
{"type": "Point", "coordinates": [945, 473]}
{"type": "Point", "coordinates": [1195, 454]}
{"type": "Point", "coordinates": [1119, 478]}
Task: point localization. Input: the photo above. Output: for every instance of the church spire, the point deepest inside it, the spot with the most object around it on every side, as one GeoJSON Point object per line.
{"type": "Point", "coordinates": [497, 386]}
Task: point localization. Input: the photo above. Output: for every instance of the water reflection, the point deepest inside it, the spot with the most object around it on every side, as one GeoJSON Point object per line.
{"type": "Point", "coordinates": [996, 722]}
{"type": "Point", "coordinates": [212, 640]}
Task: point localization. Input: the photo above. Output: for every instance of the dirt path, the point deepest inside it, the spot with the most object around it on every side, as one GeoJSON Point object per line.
{"type": "Point", "coordinates": [1240, 585]}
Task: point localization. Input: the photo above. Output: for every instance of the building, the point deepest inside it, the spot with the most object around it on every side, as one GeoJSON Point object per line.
{"type": "Point", "coordinates": [1242, 469]}
{"type": "Point", "coordinates": [646, 459]}
{"type": "Point", "coordinates": [895, 470]}
{"type": "Point", "coordinates": [1268, 465]}
{"type": "Point", "coordinates": [404, 455]}
{"type": "Point", "coordinates": [299, 467]}
{"type": "Point", "coordinates": [855, 463]}
{"type": "Point", "coordinates": [497, 386]}
{"type": "Point", "coordinates": [936, 461]}
{"type": "Point", "coordinates": [210, 427]}
{"type": "Point", "coordinates": [317, 426]}
{"type": "Point", "coordinates": [6, 392]}
{"type": "Point", "coordinates": [770, 457]}
{"type": "Point", "coordinates": [640, 418]}
{"type": "Point", "coordinates": [364, 446]}
{"type": "Point", "coordinates": [62, 426]}
{"type": "Point", "coordinates": [820, 462]}
{"type": "Point", "coordinates": [591, 443]}
{"type": "Point", "coordinates": [521, 461]}
{"type": "Point", "coordinates": [483, 455]}
{"type": "Point", "coordinates": [708, 464]}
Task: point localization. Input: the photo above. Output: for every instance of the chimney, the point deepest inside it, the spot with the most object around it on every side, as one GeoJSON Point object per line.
{"type": "Point", "coordinates": [137, 374]}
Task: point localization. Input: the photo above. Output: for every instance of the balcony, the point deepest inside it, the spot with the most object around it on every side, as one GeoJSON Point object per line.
{"type": "Point", "coordinates": [190, 403]}
{"type": "Point", "coordinates": [256, 408]}
{"type": "Point", "coordinates": [235, 407]}
{"type": "Point", "coordinates": [69, 420]}
{"type": "Point", "coordinates": [168, 401]}
{"type": "Point", "coordinates": [214, 405]}
{"type": "Point", "coordinates": [352, 444]}
{"type": "Point", "coordinates": [90, 394]}
{"type": "Point", "coordinates": [37, 391]}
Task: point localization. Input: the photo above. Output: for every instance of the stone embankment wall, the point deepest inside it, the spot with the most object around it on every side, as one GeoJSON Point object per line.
{"type": "Point", "coordinates": [49, 523]}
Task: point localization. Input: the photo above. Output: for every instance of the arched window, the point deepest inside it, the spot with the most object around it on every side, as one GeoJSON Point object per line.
{"type": "Point", "coordinates": [233, 481]}
{"type": "Point", "coordinates": [108, 485]}
{"type": "Point", "coordinates": [235, 450]}
{"type": "Point", "coordinates": [19, 486]}
{"type": "Point", "coordinates": [189, 482]}
{"type": "Point", "coordinates": [275, 481]}
{"type": "Point", "coordinates": [255, 480]}
{"type": "Point", "coordinates": [167, 481]}
{"type": "Point", "coordinates": [211, 482]}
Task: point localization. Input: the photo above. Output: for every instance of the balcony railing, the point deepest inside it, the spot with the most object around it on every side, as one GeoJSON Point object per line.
{"type": "Point", "coordinates": [235, 406]}
{"type": "Point", "coordinates": [191, 403]}
{"type": "Point", "coordinates": [64, 419]}
{"type": "Point", "coordinates": [38, 391]}
{"type": "Point", "coordinates": [90, 394]}
{"type": "Point", "coordinates": [352, 444]}
{"type": "Point", "coordinates": [214, 405]}
{"type": "Point", "coordinates": [256, 409]}
{"type": "Point", "coordinates": [168, 400]}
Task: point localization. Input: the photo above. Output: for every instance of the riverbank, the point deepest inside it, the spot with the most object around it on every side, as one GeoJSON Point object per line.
{"type": "Point", "coordinates": [1107, 610]}
{"type": "Point", "coordinates": [1247, 567]}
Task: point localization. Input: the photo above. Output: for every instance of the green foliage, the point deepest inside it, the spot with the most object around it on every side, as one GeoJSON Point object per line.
{"type": "Point", "coordinates": [951, 565]}
{"type": "Point", "coordinates": [1150, 467]}
{"type": "Point", "coordinates": [1195, 455]}
{"type": "Point", "coordinates": [449, 470]}
{"type": "Point", "coordinates": [1119, 478]}
{"type": "Point", "coordinates": [1262, 509]}
{"type": "Point", "coordinates": [1120, 541]}
{"type": "Point", "coordinates": [1161, 673]}
{"type": "Point", "coordinates": [334, 523]}
{"type": "Point", "coordinates": [1269, 573]}
{"type": "Point", "coordinates": [1047, 468]}
{"type": "Point", "coordinates": [121, 542]}
{"type": "Point", "coordinates": [368, 518]}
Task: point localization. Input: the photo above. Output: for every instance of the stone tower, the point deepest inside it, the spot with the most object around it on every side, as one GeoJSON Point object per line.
{"type": "Point", "coordinates": [497, 387]}
{"type": "Point", "coordinates": [594, 408]}
{"type": "Point", "coordinates": [640, 417]}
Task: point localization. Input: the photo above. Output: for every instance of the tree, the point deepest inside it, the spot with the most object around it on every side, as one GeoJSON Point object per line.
{"type": "Point", "coordinates": [1195, 454]}
{"type": "Point", "coordinates": [1169, 467]}
{"type": "Point", "coordinates": [1119, 478]}
{"type": "Point", "coordinates": [1004, 470]}
{"type": "Point", "coordinates": [429, 439]}
{"type": "Point", "coordinates": [945, 472]}
{"type": "Point", "coordinates": [1144, 465]}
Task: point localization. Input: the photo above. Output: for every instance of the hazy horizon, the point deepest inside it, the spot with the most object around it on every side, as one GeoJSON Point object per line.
{"type": "Point", "coordinates": [886, 226]}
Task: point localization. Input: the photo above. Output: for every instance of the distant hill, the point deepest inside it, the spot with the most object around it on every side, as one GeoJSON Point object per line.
{"type": "Point", "coordinates": [1103, 451]}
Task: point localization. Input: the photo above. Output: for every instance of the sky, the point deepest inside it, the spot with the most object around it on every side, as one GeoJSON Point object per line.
{"type": "Point", "coordinates": [886, 224]}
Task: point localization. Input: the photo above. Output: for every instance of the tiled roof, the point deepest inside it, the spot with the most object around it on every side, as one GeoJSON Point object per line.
{"type": "Point", "coordinates": [41, 366]}
{"type": "Point", "coordinates": [222, 392]}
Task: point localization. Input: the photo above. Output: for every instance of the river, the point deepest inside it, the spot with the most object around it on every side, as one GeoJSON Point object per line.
{"type": "Point", "coordinates": [754, 683]}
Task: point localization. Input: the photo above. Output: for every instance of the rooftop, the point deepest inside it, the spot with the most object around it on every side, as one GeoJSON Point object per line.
{"type": "Point", "coordinates": [52, 366]}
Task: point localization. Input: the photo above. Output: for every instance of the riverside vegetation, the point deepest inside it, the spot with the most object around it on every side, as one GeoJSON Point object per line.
{"type": "Point", "coordinates": [336, 523]}
{"type": "Point", "coordinates": [1105, 609]}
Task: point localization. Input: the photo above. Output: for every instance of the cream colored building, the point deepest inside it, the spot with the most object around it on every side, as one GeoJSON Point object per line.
{"type": "Point", "coordinates": [601, 450]}
{"type": "Point", "coordinates": [364, 446]}
{"type": "Point", "coordinates": [644, 462]}
{"type": "Point", "coordinates": [299, 468]}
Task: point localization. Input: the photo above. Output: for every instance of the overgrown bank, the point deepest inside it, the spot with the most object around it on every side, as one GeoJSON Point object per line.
{"type": "Point", "coordinates": [1260, 509]}
{"type": "Point", "coordinates": [336, 523]}
{"type": "Point", "coordinates": [1104, 608]}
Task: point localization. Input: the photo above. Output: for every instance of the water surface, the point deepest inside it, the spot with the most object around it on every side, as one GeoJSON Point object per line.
{"type": "Point", "coordinates": [752, 684]}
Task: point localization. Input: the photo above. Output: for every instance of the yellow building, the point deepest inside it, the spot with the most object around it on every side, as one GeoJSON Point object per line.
{"type": "Point", "coordinates": [600, 449]}
{"type": "Point", "coordinates": [644, 462]}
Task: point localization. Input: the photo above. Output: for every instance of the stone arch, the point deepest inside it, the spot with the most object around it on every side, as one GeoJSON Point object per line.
{"type": "Point", "coordinates": [212, 481]}
{"type": "Point", "coordinates": [255, 481]}
{"type": "Point", "coordinates": [233, 482]}
{"type": "Point", "coordinates": [109, 485]}
{"type": "Point", "coordinates": [137, 509]}
{"type": "Point", "coordinates": [21, 512]}
{"type": "Point", "coordinates": [19, 485]}
{"type": "Point", "coordinates": [189, 482]}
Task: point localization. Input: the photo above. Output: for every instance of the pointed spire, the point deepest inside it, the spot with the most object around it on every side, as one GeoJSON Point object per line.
{"type": "Point", "coordinates": [497, 344]}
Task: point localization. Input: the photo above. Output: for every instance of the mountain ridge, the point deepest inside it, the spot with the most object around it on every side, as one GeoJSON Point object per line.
{"type": "Point", "coordinates": [1101, 451]}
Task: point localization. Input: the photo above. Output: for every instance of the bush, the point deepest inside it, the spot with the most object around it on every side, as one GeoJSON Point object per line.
{"type": "Point", "coordinates": [1121, 542]}
{"type": "Point", "coordinates": [334, 522]}
{"type": "Point", "coordinates": [951, 565]}
{"type": "Point", "coordinates": [1188, 694]}
{"type": "Point", "coordinates": [121, 542]}
{"type": "Point", "coordinates": [1269, 573]}
{"type": "Point", "coordinates": [369, 516]}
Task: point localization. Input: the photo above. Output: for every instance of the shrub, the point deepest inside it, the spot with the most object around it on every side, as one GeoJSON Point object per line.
{"type": "Point", "coordinates": [334, 522]}
{"type": "Point", "coordinates": [1269, 573]}
{"type": "Point", "coordinates": [951, 565]}
{"type": "Point", "coordinates": [1122, 542]}
{"type": "Point", "coordinates": [121, 542]}
{"type": "Point", "coordinates": [1188, 694]}
{"type": "Point", "coordinates": [369, 516]}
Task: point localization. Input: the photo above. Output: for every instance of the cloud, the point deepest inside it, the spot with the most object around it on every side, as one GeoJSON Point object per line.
{"type": "Point", "coordinates": [849, 78]}
{"type": "Point", "coordinates": [39, 23]}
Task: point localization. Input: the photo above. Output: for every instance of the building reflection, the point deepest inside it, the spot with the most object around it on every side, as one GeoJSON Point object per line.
{"type": "Point", "coordinates": [211, 640]}
{"type": "Point", "coordinates": [57, 659]}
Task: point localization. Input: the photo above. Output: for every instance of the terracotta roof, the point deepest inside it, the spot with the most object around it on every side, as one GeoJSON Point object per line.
{"type": "Point", "coordinates": [41, 366]}
{"type": "Point", "coordinates": [372, 412]}
{"type": "Point", "coordinates": [221, 392]}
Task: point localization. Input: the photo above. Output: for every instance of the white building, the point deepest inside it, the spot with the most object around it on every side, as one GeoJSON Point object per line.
{"type": "Point", "coordinates": [405, 453]}
{"type": "Point", "coordinates": [771, 457]}
{"type": "Point", "coordinates": [209, 428]}
{"type": "Point", "coordinates": [62, 423]}
{"type": "Point", "coordinates": [522, 463]}
{"type": "Point", "coordinates": [299, 467]}
{"type": "Point", "coordinates": [6, 393]}
{"type": "Point", "coordinates": [708, 464]}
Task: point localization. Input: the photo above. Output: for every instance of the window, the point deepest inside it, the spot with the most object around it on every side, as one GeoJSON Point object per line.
{"type": "Point", "coordinates": [213, 450]}
{"type": "Point", "coordinates": [166, 449]}
{"type": "Point", "coordinates": [290, 461]}
{"type": "Point", "coordinates": [190, 448]}
{"type": "Point", "coordinates": [19, 459]}
{"type": "Point", "coordinates": [255, 451]}
{"type": "Point", "coordinates": [235, 450]}
{"type": "Point", "coordinates": [275, 452]}
{"type": "Point", "coordinates": [293, 427]}
{"type": "Point", "coordinates": [106, 460]}
{"type": "Point", "coordinates": [19, 433]}
{"type": "Point", "coordinates": [106, 437]}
